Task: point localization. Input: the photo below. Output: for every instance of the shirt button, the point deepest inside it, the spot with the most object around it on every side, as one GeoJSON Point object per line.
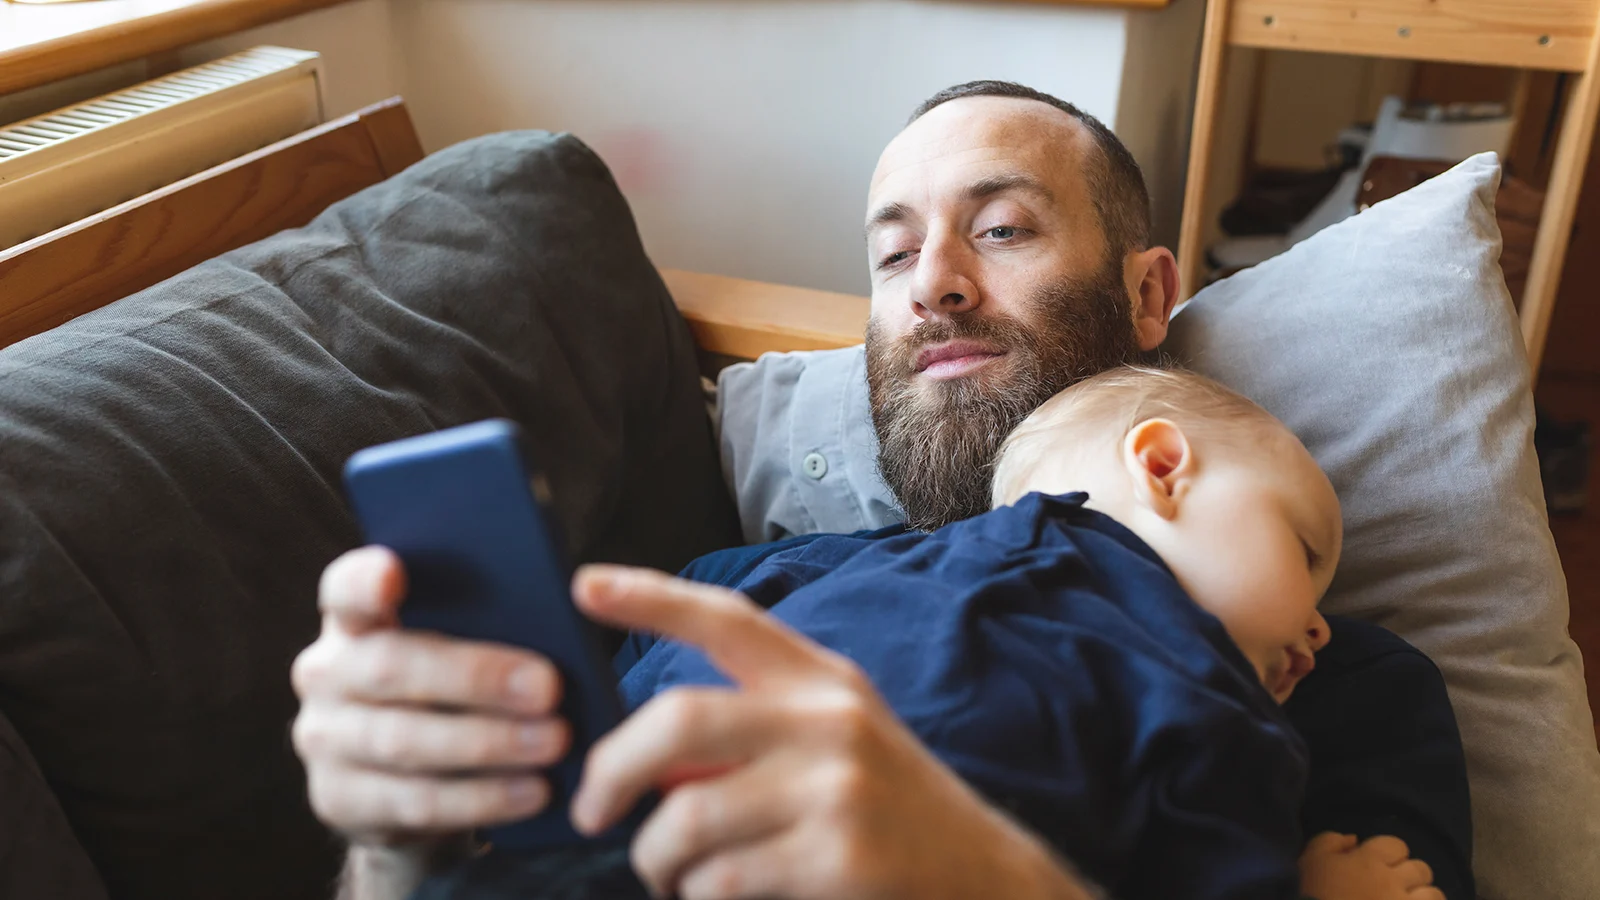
{"type": "Point", "coordinates": [815, 465]}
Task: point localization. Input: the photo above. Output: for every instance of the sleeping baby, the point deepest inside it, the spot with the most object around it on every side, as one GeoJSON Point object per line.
{"type": "Point", "coordinates": [1105, 652]}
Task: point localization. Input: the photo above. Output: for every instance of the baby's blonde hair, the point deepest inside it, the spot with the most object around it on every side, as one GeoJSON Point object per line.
{"type": "Point", "coordinates": [1102, 409]}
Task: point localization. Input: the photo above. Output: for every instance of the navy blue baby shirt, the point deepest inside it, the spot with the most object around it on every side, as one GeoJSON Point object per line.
{"type": "Point", "coordinates": [1049, 657]}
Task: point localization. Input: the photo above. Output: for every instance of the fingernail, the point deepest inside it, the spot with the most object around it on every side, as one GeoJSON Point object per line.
{"type": "Point", "coordinates": [597, 580]}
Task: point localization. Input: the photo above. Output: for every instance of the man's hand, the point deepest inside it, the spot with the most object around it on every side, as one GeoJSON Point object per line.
{"type": "Point", "coordinates": [408, 736]}
{"type": "Point", "coordinates": [1336, 867]}
{"type": "Point", "coordinates": [798, 783]}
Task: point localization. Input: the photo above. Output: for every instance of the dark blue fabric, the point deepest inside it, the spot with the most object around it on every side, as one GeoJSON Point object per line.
{"type": "Point", "coordinates": [1386, 754]}
{"type": "Point", "coordinates": [732, 566]}
{"type": "Point", "coordinates": [1048, 656]}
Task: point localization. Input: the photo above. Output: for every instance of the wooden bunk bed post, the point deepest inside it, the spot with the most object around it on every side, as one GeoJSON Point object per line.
{"type": "Point", "coordinates": [1559, 35]}
{"type": "Point", "coordinates": [1560, 206]}
{"type": "Point", "coordinates": [1208, 93]}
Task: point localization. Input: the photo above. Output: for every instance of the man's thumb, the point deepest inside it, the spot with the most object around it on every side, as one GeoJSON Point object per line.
{"type": "Point", "coordinates": [361, 591]}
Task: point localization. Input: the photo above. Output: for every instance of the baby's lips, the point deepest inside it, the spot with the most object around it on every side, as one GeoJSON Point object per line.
{"type": "Point", "coordinates": [1301, 663]}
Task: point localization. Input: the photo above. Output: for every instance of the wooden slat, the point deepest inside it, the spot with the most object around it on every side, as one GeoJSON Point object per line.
{"type": "Point", "coordinates": [394, 136]}
{"type": "Point", "coordinates": [1560, 207]}
{"type": "Point", "coordinates": [1534, 34]}
{"type": "Point", "coordinates": [737, 317]}
{"type": "Point", "coordinates": [41, 44]}
{"type": "Point", "coordinates": [1208, 93]}
{"type": "Point", "coordinates": [127, 248]}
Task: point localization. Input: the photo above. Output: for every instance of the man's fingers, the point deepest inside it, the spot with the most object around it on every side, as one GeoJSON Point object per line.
{"type": "Point", "coordinates": [1425, 893]}
{"type": "Point", "coordinates": [740, 639]}
{"type": "Point", "coordinates": [683, 728]}
{"type": "Point", "coordinates": [419, 668]}
{"type": "Point", "coordinates": [356, 800]}
{"type": "Point", "coordinates": [361, 590]}
{"type": "Point", "coordinates": [1414, 873]}
{"type": "Point", "coordinates": [785, 865]}
{"type": "Point", "coordinates": [712, 815]}
{"type": "Point", "coordinates": [399, 740]}
{"type": "Point", "coordinates": [1387, 849]}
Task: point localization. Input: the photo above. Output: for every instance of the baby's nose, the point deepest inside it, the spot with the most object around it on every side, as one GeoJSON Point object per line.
{"type": "Point", "coordinates": [1318, 633]}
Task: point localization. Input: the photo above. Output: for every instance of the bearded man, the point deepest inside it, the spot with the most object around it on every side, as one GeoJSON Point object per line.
{"type": "Point", "coordinates": [1008, 235]}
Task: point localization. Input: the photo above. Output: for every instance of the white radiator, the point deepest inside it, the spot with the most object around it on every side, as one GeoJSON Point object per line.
{"type": "Point", "coordinates": [74, 162]}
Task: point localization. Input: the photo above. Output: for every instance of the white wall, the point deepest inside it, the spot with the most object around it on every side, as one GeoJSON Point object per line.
{"type": "Point", "coordinates": [744, 133]}
{"type": "Point", "coordinates": [1155, 102]}
{"type": "Point", "coordinates": [360, 60]}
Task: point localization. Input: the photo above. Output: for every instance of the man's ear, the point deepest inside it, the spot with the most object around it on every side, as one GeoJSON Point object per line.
{"type": "Point", "coordinates": [1160, 463]}
{"type": "Point", "coordinates": [1152, 279]}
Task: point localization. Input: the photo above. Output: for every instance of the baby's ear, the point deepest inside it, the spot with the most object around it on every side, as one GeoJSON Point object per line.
{"type": "Point", "coordinates": [1160, 462]}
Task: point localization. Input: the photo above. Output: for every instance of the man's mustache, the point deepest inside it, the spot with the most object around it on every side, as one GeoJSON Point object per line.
{"type": "Point", "coordinates": [1002, 331]}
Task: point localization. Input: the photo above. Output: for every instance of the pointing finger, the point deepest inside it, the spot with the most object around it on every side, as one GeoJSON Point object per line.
{"type": "Point", "coordinates": [739, 638]}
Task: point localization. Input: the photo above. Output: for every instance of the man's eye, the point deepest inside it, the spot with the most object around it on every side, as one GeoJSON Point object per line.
{"type": "Point", "coordinates": [1002, 232]}
{"type": "Point", "coordinates": [893, 259]}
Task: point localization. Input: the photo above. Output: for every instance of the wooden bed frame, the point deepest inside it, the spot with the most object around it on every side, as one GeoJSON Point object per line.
{"type": "Point", "coordinates": [1552, 35]}
{"type": "Point", "coordinates": [127, 248]}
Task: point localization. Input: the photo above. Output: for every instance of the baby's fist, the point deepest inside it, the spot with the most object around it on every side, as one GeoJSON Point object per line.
{"type": "Point", "coordinates": [1336, 867]}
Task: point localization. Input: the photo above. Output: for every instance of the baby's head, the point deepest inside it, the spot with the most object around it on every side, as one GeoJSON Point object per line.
{"type": "Point", "coordinates": [1226, 495]}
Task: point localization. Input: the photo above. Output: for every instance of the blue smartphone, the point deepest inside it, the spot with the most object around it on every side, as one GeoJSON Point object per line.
{"type": "Point", "coordinates": [462, 509]}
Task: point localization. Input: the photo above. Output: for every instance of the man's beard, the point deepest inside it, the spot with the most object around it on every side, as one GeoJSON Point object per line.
{"type": "Point", "coordinates": [937, 438]}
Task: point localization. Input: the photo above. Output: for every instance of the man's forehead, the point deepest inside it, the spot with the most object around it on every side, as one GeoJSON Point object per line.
{"type": "Point", "coordinates": [977, 137]}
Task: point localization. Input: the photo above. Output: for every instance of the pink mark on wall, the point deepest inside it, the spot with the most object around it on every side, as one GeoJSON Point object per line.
{"type": "Point", "coordinates": [638, 158]}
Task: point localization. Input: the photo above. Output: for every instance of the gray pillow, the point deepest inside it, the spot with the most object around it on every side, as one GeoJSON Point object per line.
{"type": "Point", "coordinates": [1389, 345]}
{"type": "Point", "coordinates": [171, 482]}
{"type": "Point", "coordinates": [39, 854]}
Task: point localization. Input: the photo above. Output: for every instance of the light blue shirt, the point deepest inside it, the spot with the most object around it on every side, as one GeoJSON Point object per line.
{"type": "Point", "coordinates": [798, 449]}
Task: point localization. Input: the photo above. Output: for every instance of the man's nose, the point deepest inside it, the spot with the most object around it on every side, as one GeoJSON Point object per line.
{"type": "Point", "coordinates": [1318, 634]}
{"type": "Point", "coordinates": [943, 285]}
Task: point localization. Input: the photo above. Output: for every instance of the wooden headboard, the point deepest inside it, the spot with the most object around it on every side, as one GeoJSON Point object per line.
{"type": "Point", "coordinates": [127, 248]}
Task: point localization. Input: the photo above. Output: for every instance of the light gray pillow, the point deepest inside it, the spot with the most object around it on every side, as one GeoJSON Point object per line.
{"type": "Point", "coordinates": [1389, 345]}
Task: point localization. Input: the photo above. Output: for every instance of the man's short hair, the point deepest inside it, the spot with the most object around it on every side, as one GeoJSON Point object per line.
{"type": "Point", "coordinates": [1116, 186]}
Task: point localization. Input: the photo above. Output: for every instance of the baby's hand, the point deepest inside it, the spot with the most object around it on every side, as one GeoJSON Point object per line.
{"type": "Point", "coordinates": [1335, 867]}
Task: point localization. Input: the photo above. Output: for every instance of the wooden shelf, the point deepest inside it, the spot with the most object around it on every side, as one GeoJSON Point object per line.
{"type": "Point", "coordinates": [1548, 34]}
{"type": "Point", "coordinates": [44, 43]}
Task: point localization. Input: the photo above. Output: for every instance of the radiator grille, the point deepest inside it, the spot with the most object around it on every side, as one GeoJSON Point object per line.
{"type": "Point", "coordinates": [57, 168]}
{"type": "Point", "coordinates": [31, 135]}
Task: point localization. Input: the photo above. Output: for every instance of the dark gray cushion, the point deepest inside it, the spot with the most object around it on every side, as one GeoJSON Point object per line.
{"type": "Point", "coordinates": [39, 854]}
{"type": "Point", "coordinates": [170, 481]}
